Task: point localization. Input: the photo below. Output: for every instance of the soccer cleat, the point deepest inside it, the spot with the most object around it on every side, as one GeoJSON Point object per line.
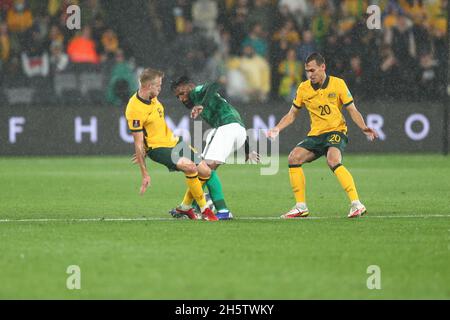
{"type": "Point", "coordinates": [180, 213]}
{"type": "Point", "coordinates": [209, 215]}
{"type": "Point", "coordinates": [174, 213]}
{"type": "Point", "coordinates": [296, 212]}
{"type": "Point", "coordinates": [224, 215]}
{"type": "Point", "coordinates": [357, 210]}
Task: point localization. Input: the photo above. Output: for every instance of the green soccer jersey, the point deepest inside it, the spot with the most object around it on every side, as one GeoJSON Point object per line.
{"type": "Point", "coordinates": [216, 110]}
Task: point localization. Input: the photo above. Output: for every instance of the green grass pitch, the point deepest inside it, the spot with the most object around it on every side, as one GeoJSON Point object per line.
{"type": "Point", "coordinates": [406, 232]}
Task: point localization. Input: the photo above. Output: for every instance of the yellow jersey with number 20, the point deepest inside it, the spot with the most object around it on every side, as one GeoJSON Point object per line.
{"type": "Point", "coordinates": [324, 104]}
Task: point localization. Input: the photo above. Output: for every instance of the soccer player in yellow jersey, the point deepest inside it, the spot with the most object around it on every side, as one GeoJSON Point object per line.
{"type": "Point", "coordinates": [152, 137]}
{"type": "Point", "coordinates": [324, 97]}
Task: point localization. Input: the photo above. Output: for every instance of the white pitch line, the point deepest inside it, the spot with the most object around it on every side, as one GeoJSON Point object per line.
{"type": "Point", "coordinates": [243, 218]}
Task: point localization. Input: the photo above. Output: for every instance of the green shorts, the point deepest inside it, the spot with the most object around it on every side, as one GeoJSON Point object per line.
{"type": "Point", "coordinates": [320, 144]}
{"type": "Point", "coordinates": [170, 156]}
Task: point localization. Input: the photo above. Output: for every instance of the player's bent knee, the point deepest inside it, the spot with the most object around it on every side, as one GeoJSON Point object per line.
{"type": "Point", "coordinates": [204, 170]}
{"type": "Point", "coordinates": [190, 169]}
{"type": "Point", "coordinates": [187, 166]}
{"type": "Point", "coordinates": [295, 159]}
{"type": "Point", "coordinates": [333, 164]}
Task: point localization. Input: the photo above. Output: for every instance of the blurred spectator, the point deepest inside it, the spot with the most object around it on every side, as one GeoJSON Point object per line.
{"type": "Point", "coordinates": [320, 25]}
{"type": "Point", "coordinates": [59, 60]}
{"type": "Point", "coordinates": [181, 14]}
{"type": "Point", "coordinates": [262, 11]}
{"type": "Point", "coordinates": [236, 85]}
{"type": "Point", "coordinates": [415, 10]}
{"type": "Point", "coordinates": [55, 35]}
{"type": "Point", "coordinates": [301, 10]}
{"type": "Point", "coordinates": [355, 77]}
{"type": "Point", "coordinates": [224, 45]}
{"type": "Point", "coordinates": [190, 48]}
{"type": "Point", "coordinates": [91, 10]}
{"type": "Point", "coordinates": [287, 32]}
{"type": "Point", "coordinates": [110, 45]}
{"type": "Point", "coordinates": [35, 60]}
{"type": "Point", "coordinates": [5, 44]}
{"type": "Point", "coordinates": [238, 25]}
{"type": "Point", "coordinates": [307, 46]}
{"type": "Point", "coordinates": [53, 7]}
{"type": "Point", "coordinates": [428, 78]}
{"type": "Point", "coordinates": [389, 73]}
{"type": "Point", "coordinates": [216, 69]}
{"type": "Point", "coordinates": [291, 71]}
{"type": "Point", "coordinates": [5, 48]}
{"type": "Point", "coordinates": [5, 5]}
{"type": "Point", "coordinates": [295, 6]}
{"type": "Point", "coordinates": [355, 8]}
{"type": "Point", "coordinates": [256, 71]}
{"type": "Point", "coordinates": [347, 20]}
{"type": "Point", "coordinates": [256, 40]}
{"type": "Point", "coordinates": [81, 49]}
{"type": "Point", "coordinates": [204, 16]}
{"type": "Point", "coordinates": [401, 39]}
{"type": "Point", "coordinates": [19, 17]}
{"type": "Point", "coordinates": [392, 11]}
{"type": "Point", "coordinates": [122, 81]}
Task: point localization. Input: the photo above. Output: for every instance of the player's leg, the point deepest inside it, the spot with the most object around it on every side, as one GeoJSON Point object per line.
{"type": "Point", "coordinates": [173, 159]}
{"type": "Point", "coordinates": [215, 189]}
{"type": "Point", "coordinates": [221, 143]}
{"type": "Point", "coordinates": [204, 174]}
{"type": "Point", "coordinates": [334, 160]}
{"type": "Point", "coordinates": [214, 186]}
{"type": "Point", "coordinates": [195, 186]}
{"type": "Point", "coordinates": [298, 157]}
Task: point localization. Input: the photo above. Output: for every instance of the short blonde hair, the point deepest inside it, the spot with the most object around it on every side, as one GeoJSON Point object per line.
{"type": "Point", "coordinates": [150, 75]}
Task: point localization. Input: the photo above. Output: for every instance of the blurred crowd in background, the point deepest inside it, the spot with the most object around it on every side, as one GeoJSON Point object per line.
{"type": "Point", "coordinates": [255, 48]}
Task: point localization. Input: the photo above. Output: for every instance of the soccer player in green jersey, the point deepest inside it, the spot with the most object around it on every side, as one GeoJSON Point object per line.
{"type": "Point", "coordinates": [228, 134]}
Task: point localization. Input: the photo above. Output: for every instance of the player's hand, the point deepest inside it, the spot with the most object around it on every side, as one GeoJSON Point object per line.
{"type": "Point", "coordinates": [196, 110]}
{"type": "Point", "coordinates": [370, 133]}
{"type": "Point", "coordinates": [146, 181]}
{"type": "Point", "coordinates": [253, 157]}
{"type": "Point", "coordinates": [273, 133]}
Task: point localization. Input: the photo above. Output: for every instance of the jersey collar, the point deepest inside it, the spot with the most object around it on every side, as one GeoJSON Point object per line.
{"type": "Point", "coordinates": [148, 102]}
{"type": "Point", "coordinates": [324, 85]}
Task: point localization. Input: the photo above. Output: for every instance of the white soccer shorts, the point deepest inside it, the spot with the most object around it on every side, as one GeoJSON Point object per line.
{"type": "Point", "coordinates": [223, 141]}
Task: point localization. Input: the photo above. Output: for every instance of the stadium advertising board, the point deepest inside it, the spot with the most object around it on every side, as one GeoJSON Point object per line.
{"type": "Point", "coordinates": [406, 127]}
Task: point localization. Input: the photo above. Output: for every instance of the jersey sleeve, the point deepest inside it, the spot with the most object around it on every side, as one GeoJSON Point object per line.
{"type": "Point", "coordinates": [135, 119]}
{"type": "Point", "coordinates": [344, 94]}
{"type": "Point", "coordinates": [298, 101]}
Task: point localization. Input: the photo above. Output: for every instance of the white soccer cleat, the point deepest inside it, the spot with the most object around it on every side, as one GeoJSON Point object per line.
{"type": "Point", "coordinates": [357, 210]}
{"type": "Point", "coordinates": [296, 212]}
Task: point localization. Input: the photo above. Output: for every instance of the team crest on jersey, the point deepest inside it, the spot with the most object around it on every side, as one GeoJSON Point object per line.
{"type": "Point", "coordinates": [136, 123]}
{"type": "Point", "coordinates": [332, 95]}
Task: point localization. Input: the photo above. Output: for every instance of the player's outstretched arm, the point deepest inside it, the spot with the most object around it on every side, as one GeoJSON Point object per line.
{"type": "Point", "coordinates": [359, 120]}
{"type": "Point", "coordinates": [140, 158]}
{"type": "Point", "coordinates": [285, 122]}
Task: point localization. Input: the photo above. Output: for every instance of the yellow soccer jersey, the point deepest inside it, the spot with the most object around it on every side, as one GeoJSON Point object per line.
{"type": "Point", "coordinates": [324, 104]}
{"type": "Point", "coordinates": [148, 116]}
